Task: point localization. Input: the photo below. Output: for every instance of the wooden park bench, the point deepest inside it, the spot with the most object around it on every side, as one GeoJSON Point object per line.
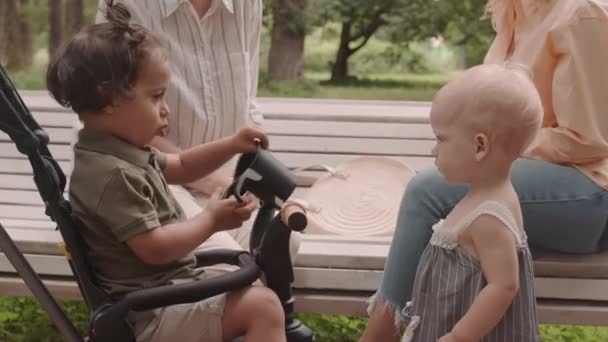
{"type": "Point", "coordinates": [334, 274]}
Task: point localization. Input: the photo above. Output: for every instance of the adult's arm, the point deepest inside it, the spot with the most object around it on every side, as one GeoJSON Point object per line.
{"type": "Point", "coordinates": [578, 94]}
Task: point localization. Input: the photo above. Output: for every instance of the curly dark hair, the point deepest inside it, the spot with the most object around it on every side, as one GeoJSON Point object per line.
{"type": "Point", "coordinates": [100, 63]}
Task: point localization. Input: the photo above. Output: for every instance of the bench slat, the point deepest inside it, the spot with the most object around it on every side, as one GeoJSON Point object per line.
{"type": "Point", "coordinates": [55, 119]}
{"type": "Point", "coordinates": [56, 135]}
{"type": "Point", "coordinates": [59, 288]}
{"type": "Point", "coordinates": [20, 212]}
{"type": "Point", "coordinates": [25, 182]}
{"type": "Point", "coordinates": [396, 147]}
{"type": "Point", "coordinates": [345, 110]}
{"type": "Point", "coordinates": [572, 312]}
{"type": "Point", "coordinates": [36, 241]}
{"type": "Point", "coordinates": [569, 288]}
{"type": "Point", "coordinates": [572, 265]}
{"type": "Point", "coordinates": [347, 129]}
{"type": "Point", "coordinates": [17, 174]}
{"type": "Point", "coordinates": [27, 224]}
{"type": "Point", "coordinates": [367, 280]}
{"type": "Point", "coordinates": [21, 182]}
{"type": "Point", "coordinates": [53, 265]}
{"type": "Point", "coordinates": [59, 152]}
{"type": "Point", "coordinates": [41, 101]}
{"type": "Point", "coordinates": [23, 166]}
{"type": "Point", "coordinates": [26, 197]}
{"type": "Point", "coordinates": [337, 252]}
{"type": "Point", "coordinates": [296, 160]}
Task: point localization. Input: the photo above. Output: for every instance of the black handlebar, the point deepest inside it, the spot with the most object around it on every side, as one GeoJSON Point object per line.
{"type": "Point", "coordinates": [194, 291]}
{"type": "Point", "coordinates": [105, 318]}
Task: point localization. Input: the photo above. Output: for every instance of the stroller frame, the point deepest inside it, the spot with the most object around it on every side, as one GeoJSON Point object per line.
{"type": "Point", "coordinates": [108, 315]}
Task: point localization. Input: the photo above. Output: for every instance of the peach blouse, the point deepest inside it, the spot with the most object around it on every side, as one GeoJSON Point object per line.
{"type": "Point", "coordinates": [564, 43]}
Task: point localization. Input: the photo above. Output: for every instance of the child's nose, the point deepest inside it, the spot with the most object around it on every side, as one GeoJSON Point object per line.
{"type": "Point", "coordinates": [434, 150]}
{"type": "Point", "coordinates": [164, 110]}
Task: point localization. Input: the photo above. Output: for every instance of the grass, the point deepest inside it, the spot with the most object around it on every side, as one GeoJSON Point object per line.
{"type": "Point", "coordinates": [22, 319]}
{"type": "Point", "coordinates": [352, 92]}
{"type": "Point", "coordinates": [379, 86]}
{"type": "Point", "coordinates": [407, 87]}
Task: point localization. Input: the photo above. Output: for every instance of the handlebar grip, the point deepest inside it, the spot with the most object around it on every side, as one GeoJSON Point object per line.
{"type": "Point", "coordinates": [293, 215]}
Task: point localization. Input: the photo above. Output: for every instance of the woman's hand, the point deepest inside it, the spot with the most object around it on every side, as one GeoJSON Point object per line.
{"type": "Point", "coordinates": [247, 139]}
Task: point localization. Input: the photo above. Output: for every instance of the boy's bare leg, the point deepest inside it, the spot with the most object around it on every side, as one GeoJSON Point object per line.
{"type": "Point", "coordinates": [256, 314]}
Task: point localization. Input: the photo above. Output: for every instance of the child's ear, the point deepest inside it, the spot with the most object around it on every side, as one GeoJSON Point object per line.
{"type": "Point", "coordinates": [482, 146]}
{"type": "Point", "coordinates": [103, 91]}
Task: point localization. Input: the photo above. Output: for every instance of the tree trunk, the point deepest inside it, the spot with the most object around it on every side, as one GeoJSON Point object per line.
{"type": "Point", "coordinates": [5, 14]}
{"type": "Point", "coordinates": [9, 35]}
{"type": "Point", "coordinates": [369, 26]}
{"type": "Point", "coordinates": [27, 53]}
{"type": "Point", "coordinates": [286, 55]}
{"type": "Point", "coordinates": [339, 69]}
{"type": "Point", "coordinates": [55, 26]}
{"type": "Point", "coordinates": [73, 17]}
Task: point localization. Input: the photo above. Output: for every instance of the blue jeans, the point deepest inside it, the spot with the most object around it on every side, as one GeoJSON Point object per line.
{"type": "Point", "coordinates": [563, 210]}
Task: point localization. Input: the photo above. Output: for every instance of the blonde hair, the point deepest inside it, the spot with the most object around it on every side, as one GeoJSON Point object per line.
{"type": "Point", "coordinates": [500, 101]}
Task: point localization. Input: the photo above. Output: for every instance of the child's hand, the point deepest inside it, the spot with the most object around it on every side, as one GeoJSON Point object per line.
{"type": "Point", "coordinates": [245, 140]}
{"type": "Point", "coordinates": [229, 213]}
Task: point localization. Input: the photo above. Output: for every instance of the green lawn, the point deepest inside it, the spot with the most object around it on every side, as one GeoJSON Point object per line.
{"type": "Point", "coordinates": [410, 87]}
{"type": "Point", "coordinates": [22, 319]}
{"type": "Point", "coordinates": [314, 85]}
{"type": "Point", "coordinates": [362, 90]}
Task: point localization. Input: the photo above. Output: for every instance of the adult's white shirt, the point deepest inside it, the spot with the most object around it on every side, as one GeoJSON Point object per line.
{"type": "Point", "coordinates": [214, 63]}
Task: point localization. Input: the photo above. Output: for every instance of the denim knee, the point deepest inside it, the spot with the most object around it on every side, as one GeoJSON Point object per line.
{"type": "Point", "coordinates": [428, 190]}
{"type": "Point", "coordinates": [427, 198]}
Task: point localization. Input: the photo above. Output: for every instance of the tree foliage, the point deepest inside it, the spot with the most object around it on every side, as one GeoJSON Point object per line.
{"type": "Point", "coordinates": [359, 20]}
{"type": "Point", "coordinates": [461, 23]}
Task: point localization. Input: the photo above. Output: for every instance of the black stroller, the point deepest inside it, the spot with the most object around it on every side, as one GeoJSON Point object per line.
{"type": "Point", "coordinates": [257, 173]}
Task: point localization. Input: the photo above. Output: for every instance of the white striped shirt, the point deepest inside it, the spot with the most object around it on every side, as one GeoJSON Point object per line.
{"type": "Point", "coordinates": [214, 62]}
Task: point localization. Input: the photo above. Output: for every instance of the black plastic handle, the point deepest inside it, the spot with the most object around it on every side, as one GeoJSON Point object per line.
{"type": "Point", "coordinates": [108, 322]}
{"type": "Point", "coordinates": [194, 291]}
